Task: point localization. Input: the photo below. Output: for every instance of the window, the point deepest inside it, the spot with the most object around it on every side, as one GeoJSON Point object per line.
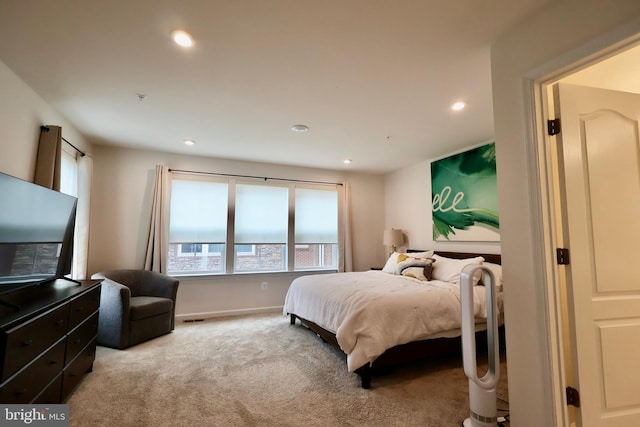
{"type": "Point", "coordinates": [245, 249]}
{"type": "Point", "coordinates": [261, 220]}
{"type": "Point", "coordinates": [190, 248]}
{"type": "Point", "coordinates": [68, 185]}
{"type": "Point", "coordinates": [316, 231]}
{"type": "Point", "coordinates": [197, 227]}
{"type": "Point", "coordinates": [199, 249]}
{"type": "Point", "coordinates": [215, 248]}
{"type": "Point", "coordinates": [224, 226]}
{"type": "Point", "coordinates": [68, 174]}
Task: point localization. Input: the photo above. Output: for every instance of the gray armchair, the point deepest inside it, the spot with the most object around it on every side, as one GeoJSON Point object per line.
{"type": "Point", "coordinates": [135, 306]}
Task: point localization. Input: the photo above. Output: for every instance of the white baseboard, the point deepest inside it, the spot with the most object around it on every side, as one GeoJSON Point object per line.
{"type": "Point", "coordinates": [227, 313]}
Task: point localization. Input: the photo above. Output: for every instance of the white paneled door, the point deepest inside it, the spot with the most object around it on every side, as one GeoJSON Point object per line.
{"type": "Point", "coordinates": [599, 145]}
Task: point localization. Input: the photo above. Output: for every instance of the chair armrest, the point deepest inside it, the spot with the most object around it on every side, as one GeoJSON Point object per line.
{"type": "Point", "coordinates": [113, 320]}
{"type": "Point", "coordinates": [114, 297]}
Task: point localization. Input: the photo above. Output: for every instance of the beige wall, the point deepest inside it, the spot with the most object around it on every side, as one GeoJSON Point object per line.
{"type": "Point", "coordinates": [559, 35]}
{"type": "Point", "coordinates": [22, 112]}
{"type": "Point", "coordinates": [120, 211]}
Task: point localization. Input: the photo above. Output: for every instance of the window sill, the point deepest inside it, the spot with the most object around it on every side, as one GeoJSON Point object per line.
{"type": "Point", "coordinates": [244, 274]}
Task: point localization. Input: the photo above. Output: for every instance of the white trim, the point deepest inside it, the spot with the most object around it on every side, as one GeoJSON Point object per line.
{"type": "Point", "coordinates": [587, 54]}
{"type": "Point", "coordinates": [544, 228]}
{"type": "Point", "coordinates": [539, 173]}
{"type": "Point", "coordinates": [541, 240]}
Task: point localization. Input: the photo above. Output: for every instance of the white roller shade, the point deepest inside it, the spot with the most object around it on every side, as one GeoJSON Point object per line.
{"type": "Point", "coordinates": [68, 174]}
{"type": "Point", "coordinates": [316, 219]}
{"type": "Point", "coordinates": [198, 212]}
{"type": "Point", "coordinates": [261, 214]}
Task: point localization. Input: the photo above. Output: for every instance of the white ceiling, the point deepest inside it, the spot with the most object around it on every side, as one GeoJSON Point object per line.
{"type": "Point", "coordinates": [372, 79]}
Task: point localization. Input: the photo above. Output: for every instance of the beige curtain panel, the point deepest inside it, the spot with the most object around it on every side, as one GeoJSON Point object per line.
{"type": "Point", "coordinates": [345, 243]}
{"type": "Point", "coordinates": [156, 258]}
{"type": "Point", "coordinates": [47, 173]}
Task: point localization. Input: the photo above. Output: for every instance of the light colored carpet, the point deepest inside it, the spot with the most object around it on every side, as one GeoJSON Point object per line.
{"type": "Point", "coordinates": [260, 371]}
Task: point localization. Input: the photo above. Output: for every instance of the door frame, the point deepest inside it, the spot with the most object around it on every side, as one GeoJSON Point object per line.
{"type": "Point", "coordinates": [541, 177]}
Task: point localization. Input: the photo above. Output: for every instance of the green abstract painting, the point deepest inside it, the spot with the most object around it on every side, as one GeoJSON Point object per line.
{"type": "Point", "coordinates": [464, 194]}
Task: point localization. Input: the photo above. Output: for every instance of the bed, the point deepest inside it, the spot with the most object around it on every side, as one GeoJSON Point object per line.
{"type": "Point", "coordinates": [407, 311]}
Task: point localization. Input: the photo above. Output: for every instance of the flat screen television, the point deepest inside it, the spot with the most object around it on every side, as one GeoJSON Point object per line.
{"type": "Point", "coordinates": [36, 233]}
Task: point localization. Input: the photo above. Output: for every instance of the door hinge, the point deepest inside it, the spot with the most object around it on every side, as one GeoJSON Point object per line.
{"type": "Point", "coordinates": [562, 255]}
{"type": "Point", "coordinates": [573, 397]}
{"type": "Point", "coordinates": [553, 126]}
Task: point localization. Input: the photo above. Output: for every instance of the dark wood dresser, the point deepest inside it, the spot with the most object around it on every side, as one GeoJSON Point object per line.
{"type": "Point", "coordinates": [47, 340]}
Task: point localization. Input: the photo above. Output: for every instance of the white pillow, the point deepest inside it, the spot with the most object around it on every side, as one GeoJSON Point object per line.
{"type": "Point", "coordinates": [392, 262]}
{"type": "Point", "coordinates": [427, 254]}
{"type": "Point", "coordinates": [496, 269]}
{"type": "Point", "coordinates": [449, 269]}
{"type": "Point", "coordinates": [391, 266]}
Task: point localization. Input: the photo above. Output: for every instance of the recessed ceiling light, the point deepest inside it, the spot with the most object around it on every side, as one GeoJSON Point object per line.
{"type": "Point", "coordinates": [189, 142]}
{"type": "Point", "coordinates": [299, 128]}
{"type": "Point", "coordinates": [182, 38]}
{"type": "Point", "coordinates": [458, 106]}
{"type": "Point", "coordinates": [347, 161]}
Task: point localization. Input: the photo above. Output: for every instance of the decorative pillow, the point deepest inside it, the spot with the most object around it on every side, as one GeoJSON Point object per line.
{"type": "Point", "coordinates": [418, 268]}
{"type": "Point", "coordinates": [449, 269]}
{"type": "Point", "coordinates": [416, 273]}
{"type": "Point", "coordinates": [391, 265]}
{"type": "Point", "coordinates": [425, 261]}
{"type": "Point", "coordinates": [428, 270]}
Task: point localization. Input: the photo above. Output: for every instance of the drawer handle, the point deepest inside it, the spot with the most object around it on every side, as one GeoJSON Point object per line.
{"type": "Point", "coordinates": [27, 343]}
{"type": "Point", "coordinates": [78, 341]}
{"type": "Point", "coordinates": [79, 309]}
{"type": "Point", "coordinates": [53, 362]}
{"type": "Point", "coordinates": [59, 322]}
{"type": "Point", "coordinates": [21, 392]}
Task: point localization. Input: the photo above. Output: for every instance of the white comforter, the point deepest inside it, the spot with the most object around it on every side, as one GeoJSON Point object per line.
{"type": "Point", "coordinates": [373, 311]}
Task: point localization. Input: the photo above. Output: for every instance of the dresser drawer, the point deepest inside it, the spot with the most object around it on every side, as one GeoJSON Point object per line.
{"type": "Point", "coordinates": [29, 382]}
{"type": "Point", "coordinates": [51, 394]}
{"type": "Point", "coordinates": [74, 372]}
{"type": "Point", "coordinates": [83, 306]}
{"type": "Point", "coordinates": [26, 341]}
{"type": "Point", "coordinates": [81, 336]}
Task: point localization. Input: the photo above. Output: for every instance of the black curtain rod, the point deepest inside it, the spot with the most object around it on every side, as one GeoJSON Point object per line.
{"type": "Point", "coordinates": [254, 177]}
{"type": "Point", "coordinates": [82, 153]}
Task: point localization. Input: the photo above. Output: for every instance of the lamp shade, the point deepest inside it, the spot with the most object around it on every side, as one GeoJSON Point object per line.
{"type": "Point", "coordinates": [392, 237]}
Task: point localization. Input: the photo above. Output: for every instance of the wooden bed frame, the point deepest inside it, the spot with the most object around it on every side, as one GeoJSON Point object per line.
{"type": "Point", "coordinates": [412, 351]}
